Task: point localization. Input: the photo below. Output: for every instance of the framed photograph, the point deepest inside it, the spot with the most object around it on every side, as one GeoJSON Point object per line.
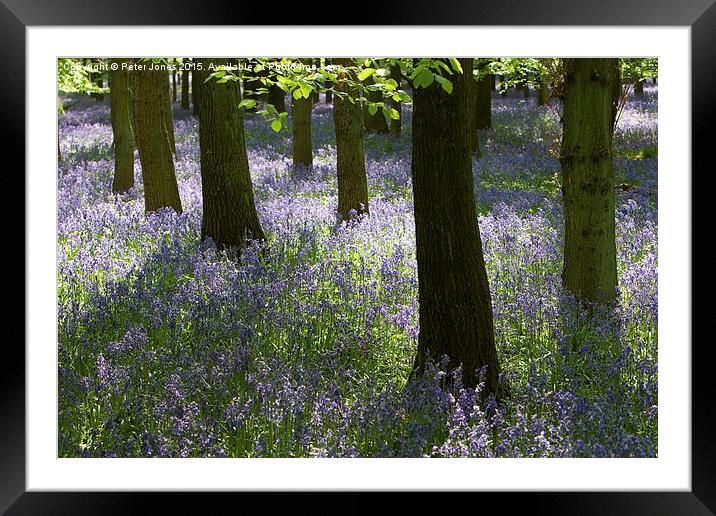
{"type": "Point", "coordinates": [181, 339]}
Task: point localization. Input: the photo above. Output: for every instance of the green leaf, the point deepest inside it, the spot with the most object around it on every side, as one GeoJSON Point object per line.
{"type": "Point", "coordinates": [455, 64]}
{"type": "Point", "coordinates": [297, 94]}
{"type": "Point", "coordinates": [306, 90]}
{"type": "Point", "coordinates": [394, 114]}
{"type": "Point", "coordinates": [445, 83]}
{"type": "Point", "coordinates": [365, 73]}
{"type": "Point", "coordinates": [276, 125]}
{"type": "Point", "coordinates": [425, 78]}
{"type": "Point", "coordinates": [372, 109]}
{"type": "Point", "coordinates": [247, 103]}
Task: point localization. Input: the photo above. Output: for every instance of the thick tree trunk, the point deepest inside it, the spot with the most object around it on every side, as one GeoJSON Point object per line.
{"type": "Point", "coordinates": [472, 118]}
{"type": "Point", "coordinates": [123, 139]}
{"type": "Point", "coordinates": [229, 216]}
{"type": "Point", "coordinates": [483, 105]}
{"type": "Point", "coordinates": [169, 114]}
{"type": "Point", "coordinates": [185, 89]}
{"type": "Point", "coordinates": [396, 125]}
{"type": "Point", "coordinates": [454, 296]}
{"type": "Point", "coordinates": [302, 145]}
{"type": "Point", "coordinates": [153, 141]}
{"type": "Point", "coordinates": [590, 265]}
{"type": "Point", "coordinates": [352, 179]}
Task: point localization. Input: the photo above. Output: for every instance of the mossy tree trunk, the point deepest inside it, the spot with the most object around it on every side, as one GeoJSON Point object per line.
{"type": "Point", "coordinates": [123, 139]}
{"type": "Point", "coordinates": [153, 141]}
{"type": "Point", "coordinates": [472, 117]}
{"type": "Point", "coordinates": [455, 310]}
{"type": "Point", "coordinates": [590, 265]}
{"type": "Point", "coordinates": [352, 179]}
{"type": "Point", "coordinates": [396, 125]}
{"type": "Point", "coordinates": [374, 123]}
{"type": "Point", "coordinates": [229, 215]}
{"type": "Point", "coordinates": [174, 85]}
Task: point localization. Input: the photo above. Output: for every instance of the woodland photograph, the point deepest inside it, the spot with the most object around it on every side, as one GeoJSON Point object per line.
{"type": "Point", "coordinates": [357, 257]}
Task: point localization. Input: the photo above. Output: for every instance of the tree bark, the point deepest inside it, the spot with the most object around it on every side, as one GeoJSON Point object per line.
{"type": "Point", "coordinates": [174, 85]}
{"type": "Point", "coordinates": [483, 106]}
{"type": "Point", "coordinates": [185, 89]}
{"type": "Point", "coordinates": [590, 265]}
{"type": "Point", "coordinates": [396, 125]}
{"type": "Point", "coordinates": [302, 145]}
{"type": "Point", "coordinates": [455, 309]}
{"type": "Point", "coordinates": [153, 141]}
{"type": "Point", "coordinates": [352, 179]}
{"type": "Point", "coordinates": [639, 88]}
{"type": "Point", "coordinates": [229, 215]}
{"type": "Point", "coordinates": [473, 115]}
{"type": "Point", "coordinates": [543, 93]}
{"type": "Point", "coordinates": [277, 97]}
{"type": "Point", "coordinates": [123, 139]}
{"type": "Point", "coordinates": [374, 123]}
{"type": "Point", "coordinates": [169, 114]}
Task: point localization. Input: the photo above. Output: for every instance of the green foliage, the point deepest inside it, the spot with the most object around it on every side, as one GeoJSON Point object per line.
{"type": "Point", "coordinates": [73, 76]}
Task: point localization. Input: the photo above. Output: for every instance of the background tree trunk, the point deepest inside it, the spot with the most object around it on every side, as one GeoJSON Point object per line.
{"type": "Point", "coordinates": [472, 113]}
{"type": "Point", "coordinates": [590, 265]}
{"type": "Point", "coordinates": [185, 89]}
{"type": "Point", "coordinates": [195, 90]}
{"type": "Point", "coordinates": [543, 93]}
{"type": "Point", "coordinates": [152, 139]}
{"type": "Point", "coordinates": [229, 216]}
{"type": "Point", "coordinates": [454, 297]}
{"type": "Point", "coordinates": [483, 105]}
{"type": "Point", "coordinates": [277, 98]}
{"type": "Point", "coordinates": [375, 123]}
{"type": "Point", "coordinates": [639, 88]}
{"type": "Point", "coordinates": [302, 145]}
{"type": "Point", "coordinates": [352, 180]}
{"type": "Point", "coordinates": [174, 85]}
{"type": "Point", "coordinates": [123, 139]}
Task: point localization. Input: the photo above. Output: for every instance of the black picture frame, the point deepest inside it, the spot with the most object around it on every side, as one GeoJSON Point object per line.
{"type": "Point", "coordinates": [16, 15]}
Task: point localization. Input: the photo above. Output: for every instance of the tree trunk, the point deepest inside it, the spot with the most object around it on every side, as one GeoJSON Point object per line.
{"type": "Point", "coordinates": [483, 105]}
{"type": "Point", "coordinates": [174, 85]}
{"type": "Point", "coordinates": [639, 88]}
{"type": "Point", "coordinates": [302, 145]}
{"type": "Point", "coordinates": [472, 117]}
{"type": "Point", "coordinates": [195, 90]}
{"type": "Point", "coordinates": [123, 139]}
{"type": "Point", "coordinates": [525, 90]}
{"type": "Point", "coordinates": [229, 215]}
{"type": "Point", "coordinates": [590, 265]}
{"type": "Point", "coordinates": [329, 94]}
{"type": "Point", "coordinates": [396, 125]}
{"type": "Point", "coordinates": [277, 97]}
{"type": "Point", "coordinates": [616, 92]}
{"type": "Point", "coordinates": [543, 93]}
{"type": "Point", "coordinates": [352, 179]}
{"type": "Point", "coordinates": [185, 89]}
{"type": "Point", "coordinates": [455, 310]}
{"type": "Point", "coordinates": [375, 123]}
{"type": "Point", "coordinates": [492, 78]}
{"type": "Point", "coordinates": [169, 114]}
{"type": "Point", "coordinates": [153, 141]}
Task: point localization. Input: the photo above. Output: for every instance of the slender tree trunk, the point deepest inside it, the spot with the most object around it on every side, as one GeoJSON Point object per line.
{"type": "Point", "coordinates": [229, 215]}
{"type": "Point", "coordinates": [492, 78]}
{"type": "Point", "coordinates": [277, 97]}
{"type": "Point", "coordinates": [525, 90]}
{"type": "Point", "coordinates": [169, 114]}
{"type": "Point", "coordinates": [302, 145]}
{"type": "Point", "coordinates": [639, 88]}
{"type": "Point", "coordinates": [185, 89]}
{"type": "Point", "coordinates": [396, 125]}
{"type": "Point", "coordinates": [195, 90]}
{"type": "Point", "coordinates": [352, 179]}
{"type": "Point", "coordinates": [590, 265]}
{"type": "Point", "coordinates": [153, 141]}
{"type": "Point", "coordinates": [375, 123]}
{"type": "Point", "coordinates": [174, 85]}
{"type": "Point", "coordinates": [617, 97]}
{"type": "Point", "coordinates": [123, 139]}
{"type": "Point", "coordinates": [543, 93]}
{"type": "Point", "coordinates": [455, 309]}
